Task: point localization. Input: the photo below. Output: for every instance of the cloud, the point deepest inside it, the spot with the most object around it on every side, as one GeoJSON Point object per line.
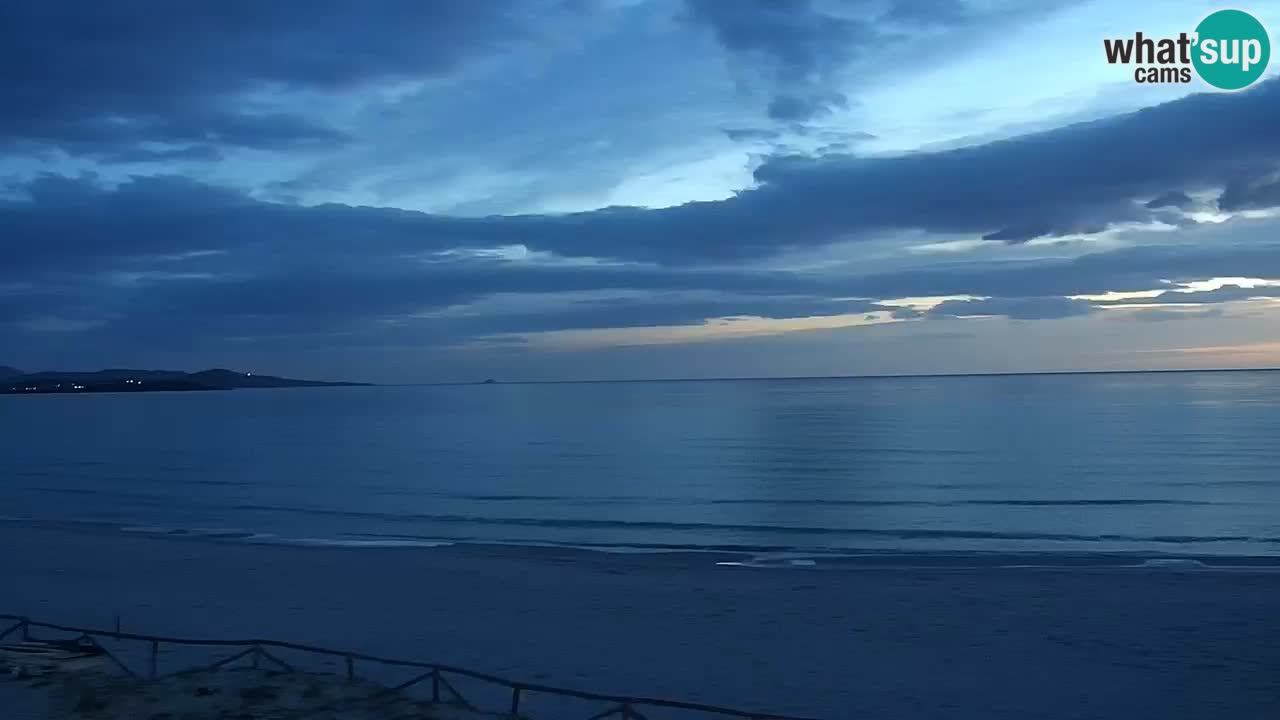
{"type": "Point", "coordinates": [1174, 199]}
{"type": "Point", "coordinates": [167, 257]}
{"type": "Point", "coordinates": [810, 53]}
{"type": "Point", "coordinates": [383, 287]}
{"type": "Point", "coordinates": [1251, 193]}
{"type": "Point", "coordinates": [1227, 293]}
{"type": "Point", "coordinates": [653, 311]}
{"type": "Point", "coordinates": [102, 79]}
{"type": "Point", "coordinates": [1165, 315]}
{"type": "Point", "coordinates": [1014, 235]}
{"type": "Point", "coordinates": [231, 268]}
{"type": "Point", "coordinates": [1075, 180]}
{"type": "Point", "coordinates": [1129, 269]}
{"type": "Point", "coordinates": [752, 134]}
{"type": "Point", "coordinates": [1026, 308]}
{"type": "Point", "coordinates": [798, 43]}
{"type": "Point", "coordinates": [162, 259]}
{"type": "Point", "coordinates": [797, 108]}
{"type": "Point", "coordinates": [928, 12]}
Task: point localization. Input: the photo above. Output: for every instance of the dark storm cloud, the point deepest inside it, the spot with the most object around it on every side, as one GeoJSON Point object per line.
{"type": "Point", "coordinates": [98, 78]}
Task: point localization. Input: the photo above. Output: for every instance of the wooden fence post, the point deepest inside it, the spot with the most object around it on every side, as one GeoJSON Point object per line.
{"type": "Point", "coordinates": [626, 708]}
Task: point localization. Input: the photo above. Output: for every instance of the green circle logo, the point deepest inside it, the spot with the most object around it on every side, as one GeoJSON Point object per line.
{"type": "Point", "coordinates": [1232, 49]}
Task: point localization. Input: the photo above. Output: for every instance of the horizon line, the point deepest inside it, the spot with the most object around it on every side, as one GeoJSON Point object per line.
{"type": "Point", "coordinates": [882, 376]}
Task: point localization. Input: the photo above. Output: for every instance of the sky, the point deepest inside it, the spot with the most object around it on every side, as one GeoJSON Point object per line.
{"type": "Point", "coordinates": [405, 191]}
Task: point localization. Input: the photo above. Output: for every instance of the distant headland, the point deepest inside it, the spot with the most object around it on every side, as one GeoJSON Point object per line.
{"type": "Point", "coordinates": [16, 382]}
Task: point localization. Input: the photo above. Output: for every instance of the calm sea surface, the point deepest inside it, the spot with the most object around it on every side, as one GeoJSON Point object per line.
{"type": "Point", "coordinates": [1174, 463]}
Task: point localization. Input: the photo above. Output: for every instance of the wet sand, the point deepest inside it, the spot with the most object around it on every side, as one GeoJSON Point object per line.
{"type": "Point", "coordinates": [868, 642]}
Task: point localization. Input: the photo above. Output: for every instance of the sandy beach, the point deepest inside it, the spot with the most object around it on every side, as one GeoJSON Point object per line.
{"type": "Point", "coordinates": [874, 642]}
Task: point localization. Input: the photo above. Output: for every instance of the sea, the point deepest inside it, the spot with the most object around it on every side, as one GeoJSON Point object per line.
{"type": "Point", "coordinates": [1145, 466]}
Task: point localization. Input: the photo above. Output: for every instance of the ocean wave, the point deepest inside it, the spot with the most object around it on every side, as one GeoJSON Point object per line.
{"type": "Point", "coordinates": [764, 529]}
{"type": "Point", "coordinates": [807, 502]}
{"type": "Point", "coordinates": [212, 533]}
{"type": "Point", "coordinates": [150, 498]}
{"type": "Point", "coordinates": [753, 555]}
{"type": "Point", "coordinates": [357, 543]}
{"type": "Point", "coordinates": [1120, 502]}
{"type": "Point", "coordinates": [1174, 563]}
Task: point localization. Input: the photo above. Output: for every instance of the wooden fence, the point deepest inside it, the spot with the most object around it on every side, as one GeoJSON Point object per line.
{"type": "Point", "coordinates": [259, 651]}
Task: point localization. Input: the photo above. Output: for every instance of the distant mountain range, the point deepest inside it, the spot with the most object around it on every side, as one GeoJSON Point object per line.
{"type": "Point", "coordinates": [16, 382]}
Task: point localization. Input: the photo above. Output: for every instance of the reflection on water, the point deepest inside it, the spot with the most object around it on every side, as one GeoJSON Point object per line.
{"type": "Point", "coordinates": [1176, 463]}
